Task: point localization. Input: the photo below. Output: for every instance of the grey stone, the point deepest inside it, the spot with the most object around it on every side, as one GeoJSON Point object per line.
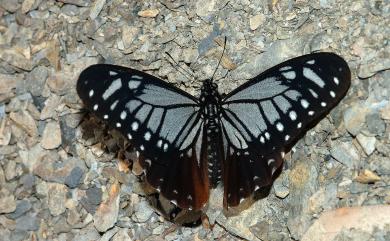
{"type": "Point", "coordinates": [142, 212]}
{"type": "Point", "coordinates": [80, 3]}
{"type": "Point", "coordinates": [367, 143]}
{"type": "Point", "coordinates": [29, 222]}
{"type": "Point", "coordinates": [94, 195]}
{"type": "Point", "coordinates": [96, 8]}
{"type": "Point", "coordinates": [10, 6]}
{"type": "Point", "coordinates": [375, 124]}
{"type": "Point", "coordinates": [35, 81]}
{"type": "Point", "coordinates": [7, 202]}
{"type": "Point", "coordinates": [87, 234]}
{"type": "Point", "coordinates": [303, 183]}
{"type": "Point", "coordinates": [345, 153]}
{"type": "Point", "coordinates": [22, 207]}
{"type": "Point", "coordinates": [357, 187]}
{"type": "Point", "coordinates": [57, 198]}
{"type": "Point", "coordinates": [74, 178]}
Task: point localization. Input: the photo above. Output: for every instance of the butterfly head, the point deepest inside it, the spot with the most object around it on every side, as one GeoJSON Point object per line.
{"type": "Point", "coordinates": [209, 91]}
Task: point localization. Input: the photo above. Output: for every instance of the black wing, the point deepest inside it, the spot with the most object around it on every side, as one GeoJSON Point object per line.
{"type": "Point", "coordinates": [162, 121]}
{"type": "Point", "coordinates": [264, 117]}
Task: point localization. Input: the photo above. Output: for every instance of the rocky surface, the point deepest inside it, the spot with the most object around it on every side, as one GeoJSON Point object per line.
{"type": "Point", "coordinates": [65, 176]}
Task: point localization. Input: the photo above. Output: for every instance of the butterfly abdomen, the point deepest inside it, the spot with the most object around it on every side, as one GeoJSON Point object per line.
{"type": "Point", "coordinates": [210, 100]}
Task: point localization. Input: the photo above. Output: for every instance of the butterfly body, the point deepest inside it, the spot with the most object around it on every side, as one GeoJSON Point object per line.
{"type": "Point", "coordinates": [188, 145]}
{"type": "Point", "coordinates": [210, 102]}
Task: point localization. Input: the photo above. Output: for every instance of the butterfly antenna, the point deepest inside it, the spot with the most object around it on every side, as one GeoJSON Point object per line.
{"type": "Point", "coordinates": [177, 64]}
{"type": "Point", "coordinates": [220, 59]}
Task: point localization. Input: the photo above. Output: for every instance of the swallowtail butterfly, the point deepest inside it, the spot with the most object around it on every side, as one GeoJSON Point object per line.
{"type": "Point", "coordinates": [188, 145]}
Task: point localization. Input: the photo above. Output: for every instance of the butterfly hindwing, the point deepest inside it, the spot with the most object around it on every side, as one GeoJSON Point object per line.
{"type": "Point", "coordinates": [162, 121]}
{"type": "Point", "coordinates": [268, 114]}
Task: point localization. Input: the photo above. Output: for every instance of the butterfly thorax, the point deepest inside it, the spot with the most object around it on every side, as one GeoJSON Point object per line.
{"type": "Point", "coordinates": [210, 102]}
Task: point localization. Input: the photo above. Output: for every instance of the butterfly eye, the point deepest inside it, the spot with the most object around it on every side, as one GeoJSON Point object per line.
{"type": "Point", "coordinates": [188, 145]}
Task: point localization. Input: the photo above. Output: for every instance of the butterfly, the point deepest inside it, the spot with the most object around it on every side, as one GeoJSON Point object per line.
{"type": "Point", "coordinates": [189, 145]}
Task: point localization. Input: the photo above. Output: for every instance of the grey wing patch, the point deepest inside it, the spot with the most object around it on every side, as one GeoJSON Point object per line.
{"type": "Point", "coordinates": [267, 88]}
{"type": "Point", "coordinates": [158, 96]}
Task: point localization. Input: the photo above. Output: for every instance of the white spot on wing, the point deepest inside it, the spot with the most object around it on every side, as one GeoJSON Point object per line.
{"type": "Point", "coordinates": [129, 136]}
{"type": "Point", "coordinates": [287, 137]}
{"type": "Point", "coordinates": [105, 117]}
{"type": "Point", "coordinates": [299, 125]}
{"type": "Point", "coordinates": [313, 93]}
{"type": "Point", "coordinates": [267, 135]}
{"type": "Point", "coordinates": [112, 107]}
{"type": "Point", "coordinates": [336, 80]}
{"type": "Point", "coordinates": [133, 84]}
{"type": "Point", "coordinates": [289, 75]}
{"type": "Point", "coordinates": [292, 115]}
{"type": "Point", "coordinates": [118, 125]}
{"type": "Point", "coordinates": [91, 92]}
{"type": "Point", "coordinates": [311, 113]}
{"type": "Point", "coordinates": [332, 93]}
{"type": "Point", "coordinates": [311, 75]}
{"type": "Point", "coordinates": [285, 68]}
{"type": "Point", "coordinates": [147, 136]}
{"type": "Point", "coordinates": [323, 104]}
{"type": "Point", "coordinates": [136, 77]}
{"type": "Point", "coordinates": [270, 161]}
{"type": "Point", "coordinates": [311, 61]}
{"type": "Point", "coordinates": [134, 126]}
{"type": "Point", "coordinates": [95, 107]}
{"type": "Point", "coordinates": [304, 103]}
{"type": "Point", "coordinates": [262, 139]}
{"type": "Point", "coordinates": [112, 73]}
{"type": "Point", "coordinates": [114, 86]}
{"type": "Point", "coordinates": [159, 143]}
{"type": "Point", "coordinates": [279, 126]}
{"type": "Point", "coordinates": [123, 115]}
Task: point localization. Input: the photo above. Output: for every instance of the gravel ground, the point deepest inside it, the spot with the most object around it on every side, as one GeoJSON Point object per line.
{"type": "Point", "coordinates": [65, 176]}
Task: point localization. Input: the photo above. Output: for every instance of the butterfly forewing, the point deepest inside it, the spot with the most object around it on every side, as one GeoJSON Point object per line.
{"type": "Point", "coordinates": [265, 116]}
{"type": "Point", "coordinates": [162, 121]}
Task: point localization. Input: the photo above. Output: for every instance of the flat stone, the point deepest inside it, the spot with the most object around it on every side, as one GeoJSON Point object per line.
{"type": "Point", "coordinates": [9, 82]}
{"type": "Point", "coordinates": [22, 207]}
{"type": "Point", "coordinates": [16, 59]}
{"type": "Point", "coordinates": [375, 124]}
{"type": "Point", "coordinates": [27, 5]}
{"type": "Point", "coordinates": [51, 136]}
{"type": "Point", "coordinates": [107, 214]}
{"type": "Point", "coordinates": [75, 177]}
{"type": "Point", "coordinates": [142, 212]}
{"type": "Point", "coordinates": [7, 202]}
{"type": "Point", "coordinates": [25, 121]}
{"type": "Point", "coordinates": [94, 195]}
{"type": "Point", "coordinates": [129, 33]}
{"type": "Point", "coordinates": [10, 6]}
{"type": "Point", "coordinates": [367, 143]}
{"type": "Point", "coordinates": [148, 13]}
{"type": "Point", "coordinates": [256, 21]}
{"type": "Point", "coordinates": [28, 222]}
{"type": "Point", "coordinates": [204, 7]}
{"type": "Point", "coordinates": [122, 234]}
{"type": "Point", "coordinates": [50, 171]}
{"type": "Point", "coordinates": [57, 198]}
{"type": "Point", "coordinates": [49, 110]}
{"type": "Point", "coordinates": [345, 153]}
{"type": "Point", "coordinates": [367, 176]}
{"type": "Point", "coordinates": [96, 8]}
{"type": "Point", "coordinates": [354, 118]}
